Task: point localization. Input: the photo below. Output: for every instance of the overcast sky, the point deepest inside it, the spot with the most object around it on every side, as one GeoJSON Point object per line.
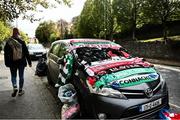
{"type": "Point", "coordinates": [55, 14]}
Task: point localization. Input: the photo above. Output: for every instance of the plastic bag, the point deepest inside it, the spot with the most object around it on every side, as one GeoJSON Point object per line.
{"type": "Point", "coordinates": [67, 94]}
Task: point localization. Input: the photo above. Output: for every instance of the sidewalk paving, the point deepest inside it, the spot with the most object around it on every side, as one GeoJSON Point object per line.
{"type": "Point", "coordinates": [1, 56]}
{"type": "Point", "coordinates": [36, 103]}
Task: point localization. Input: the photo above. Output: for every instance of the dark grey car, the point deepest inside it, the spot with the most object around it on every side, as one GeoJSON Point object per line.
{"type": "Point", "coordinates": [109, 81]}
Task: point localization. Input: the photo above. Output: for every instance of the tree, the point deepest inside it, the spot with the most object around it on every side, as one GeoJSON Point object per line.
{"type": "Point", "coordinates": [161, 11]}
{"type": "Point", "coordinates": [74, 27]}
{"type": "Point", "coordinates": [5, 31]}
{"type": "Point", "coordinates": [47, 32]}
{"type": "Point", "coordinates": [95, 20]}
{"type": "Point", "coordinates": [85, 24]}
{"type": "Point", "coordinates": [11, 9]}
{"type": "Point", "coordinates": [62, 27]}
{"type": "Point", "coordinates": [127, 14]}
{"type": "Point", "coordinates": [24, 36]}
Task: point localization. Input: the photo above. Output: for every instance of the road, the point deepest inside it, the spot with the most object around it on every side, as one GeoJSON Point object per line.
{"type": "Point", "coordinates": [40, 100]}
{"type": "Point", "coordinates": [172, 77]}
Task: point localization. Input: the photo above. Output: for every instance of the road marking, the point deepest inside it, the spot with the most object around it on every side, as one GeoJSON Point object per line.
{"type": "Point", "coordinates": [168, 67]}
{"type": "Point", "coordinates": [174, 105]}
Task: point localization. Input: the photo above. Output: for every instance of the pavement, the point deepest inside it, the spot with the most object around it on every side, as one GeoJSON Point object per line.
{"type": "Point", "coordinates": [1, 56]}
{"type": "Point", "coordinates": [37, 103]}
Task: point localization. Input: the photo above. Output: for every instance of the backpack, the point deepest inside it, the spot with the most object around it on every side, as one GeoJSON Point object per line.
{"type": "Point", "coordinates": [16, 47]}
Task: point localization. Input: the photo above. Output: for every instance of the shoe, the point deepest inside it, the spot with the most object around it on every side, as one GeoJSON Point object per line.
{"type": "Point", "coordinates": [57, 85]}
{"type": "Point", "coordinates": [14, 92]}
{"type": "Point", "coordinates": [21, 92]}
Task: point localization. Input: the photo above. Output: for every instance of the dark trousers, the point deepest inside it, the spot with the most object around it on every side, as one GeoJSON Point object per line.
{"type": "Point", "coordinates": [20, 70]}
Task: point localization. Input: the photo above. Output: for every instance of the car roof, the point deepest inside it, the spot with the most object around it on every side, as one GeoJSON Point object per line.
{"type": "Point", "coordinates": [68, 41]}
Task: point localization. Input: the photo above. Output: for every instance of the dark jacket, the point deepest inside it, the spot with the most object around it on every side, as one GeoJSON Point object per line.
{"type": "Point", "coordinates": [8, 55]}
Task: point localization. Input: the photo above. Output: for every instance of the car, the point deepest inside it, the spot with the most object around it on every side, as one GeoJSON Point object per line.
{"type": "Point", "coordinates": [110, 83]}
{"type": "Point", "coordinates": [36, 50]}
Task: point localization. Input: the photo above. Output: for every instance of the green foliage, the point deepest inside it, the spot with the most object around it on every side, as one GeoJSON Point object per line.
{"type": "Point", "coordinates": [53, 37]}
{"type": "Point", "coordinates": [161, 11]}
{"type": "Point", "coordinates": [47, 32]}
{"type": "Point", "coordinates": [74, 27]}
{"type": "Point", "coordinates": [157, 11]}
{"type": "Point", "coordinates": [24, 37]}
{"type": "Point", "coordinates": [10, 9]}
{"type": "Point", "coordinates": [5, 31]}
{"type": "Point", "coordinates": [95, 18]}
{"type": "Point", "coordinates": [62, 26]}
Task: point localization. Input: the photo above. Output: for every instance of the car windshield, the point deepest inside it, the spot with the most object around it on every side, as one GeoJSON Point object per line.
{"type": "Point", "coordinates": [35, 46]}
{"type": "Point", "coordinates": [91, 54]}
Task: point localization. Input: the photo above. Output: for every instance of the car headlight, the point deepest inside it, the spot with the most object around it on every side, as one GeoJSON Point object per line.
{"type": "Point", "coordinates": [104, 91]}
{"type": "Point", "coordinates": [110, 92]}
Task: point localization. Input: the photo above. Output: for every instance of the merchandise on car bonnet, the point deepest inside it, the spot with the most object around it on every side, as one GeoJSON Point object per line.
{"type": "Point", "coordinates": [109, 61]}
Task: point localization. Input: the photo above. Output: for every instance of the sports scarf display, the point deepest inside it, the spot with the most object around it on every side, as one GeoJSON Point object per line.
{"type": "Point", "coordinates": [65, 68]}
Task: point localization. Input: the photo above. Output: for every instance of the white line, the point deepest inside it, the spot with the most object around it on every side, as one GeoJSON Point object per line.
{"type": "Point", "coordinates": [168, 67]}
{"type": "Point", "coordinates": [174, 105]}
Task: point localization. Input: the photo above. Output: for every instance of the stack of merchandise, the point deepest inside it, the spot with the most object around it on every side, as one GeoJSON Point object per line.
{"type": "Point", "coordinates": [67, 95]}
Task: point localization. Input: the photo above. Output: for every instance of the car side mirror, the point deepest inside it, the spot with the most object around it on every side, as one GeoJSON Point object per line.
{"type": "Point", "coordinates": [60, 61]}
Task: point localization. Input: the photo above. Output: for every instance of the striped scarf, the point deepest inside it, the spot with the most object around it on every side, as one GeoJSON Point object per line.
{"type": "Point", "coordinates": [66, 69]}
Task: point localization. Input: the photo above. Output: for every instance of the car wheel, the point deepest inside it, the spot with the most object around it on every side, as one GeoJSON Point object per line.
{"type": "Point", "coordinates": [49, 78]}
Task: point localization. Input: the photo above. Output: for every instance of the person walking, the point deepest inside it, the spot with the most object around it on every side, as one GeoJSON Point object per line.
{"type": "Point", "coordinates": [16, 56]}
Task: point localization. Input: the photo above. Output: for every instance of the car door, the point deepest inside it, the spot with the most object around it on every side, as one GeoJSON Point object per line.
{"type": "Point", "coordinates": [52, 62]}
{"type": "Point", "coordinates": [61, 54]}
{"type": "Point", "coordinates": [56, 54]}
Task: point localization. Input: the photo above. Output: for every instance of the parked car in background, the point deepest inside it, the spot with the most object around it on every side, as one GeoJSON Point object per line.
{"type": "Point", "coordinates": [36, 50]}
{"type": "Point", "coordinates": [110, 83]}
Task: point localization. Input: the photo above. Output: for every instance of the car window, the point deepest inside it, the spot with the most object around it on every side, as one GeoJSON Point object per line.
{"type": "Point", "coordinates": [91, 54]}
{"type": "Point", "coordinates": [55, 49]}
{"type": "Point", "coordinates": [62, 50]}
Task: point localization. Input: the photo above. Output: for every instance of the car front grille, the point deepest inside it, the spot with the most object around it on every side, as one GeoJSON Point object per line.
{"type": "Point", "coordinates": [134, 94]}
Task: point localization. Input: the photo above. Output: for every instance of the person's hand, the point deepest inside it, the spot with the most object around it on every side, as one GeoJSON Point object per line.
{"type": "Point", "coordinates": [30, 65]}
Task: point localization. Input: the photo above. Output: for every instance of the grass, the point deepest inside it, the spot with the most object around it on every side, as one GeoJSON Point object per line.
{"type": "Point", "coordinates": [173, 38]}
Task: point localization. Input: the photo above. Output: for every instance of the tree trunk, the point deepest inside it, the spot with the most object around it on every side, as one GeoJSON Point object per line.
{"type": "Point", "coordinates": [164, 25]}
{"type": "Point", "coordinates": [134, 20]}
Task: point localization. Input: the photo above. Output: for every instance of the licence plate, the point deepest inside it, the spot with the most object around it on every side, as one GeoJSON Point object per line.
{"type": "Point", "coordinates": [150, 105]}
{"type": "Point", "coordinates": [39, 55]}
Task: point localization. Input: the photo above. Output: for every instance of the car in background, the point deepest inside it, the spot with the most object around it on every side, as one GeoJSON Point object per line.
{"type": "Point", "coordinates": [36, 50]}
{"type": "Point", "coordinates": [110, 83]}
